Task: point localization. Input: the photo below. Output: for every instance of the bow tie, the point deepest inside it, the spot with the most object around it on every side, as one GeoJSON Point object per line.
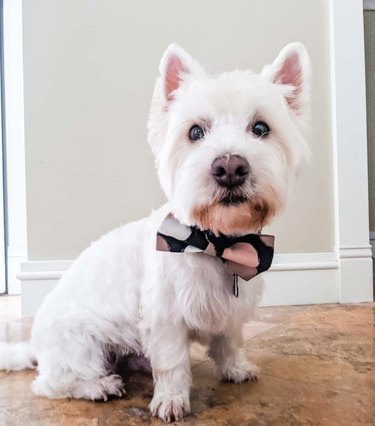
{"type": "Point", "coordinates": [245, 256]}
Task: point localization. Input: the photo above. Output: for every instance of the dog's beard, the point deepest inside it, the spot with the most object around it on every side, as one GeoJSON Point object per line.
{"type": "Point", "coordinates": [234, 212]}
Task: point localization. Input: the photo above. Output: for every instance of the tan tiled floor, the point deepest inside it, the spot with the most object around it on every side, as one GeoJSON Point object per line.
{"type": "Point", "coordinates": [318, 365]}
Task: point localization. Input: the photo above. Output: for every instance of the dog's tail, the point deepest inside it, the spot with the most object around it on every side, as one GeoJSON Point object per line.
{"type": "Point", "coordinates": [17, 356]}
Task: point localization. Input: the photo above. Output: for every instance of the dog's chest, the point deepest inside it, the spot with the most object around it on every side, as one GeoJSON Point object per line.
{"type": "Point", "coordinates": [203, 292]}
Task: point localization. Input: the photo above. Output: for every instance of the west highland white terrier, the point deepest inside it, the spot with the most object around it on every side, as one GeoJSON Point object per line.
{"type": "Point", "coordinates": [227, 149]}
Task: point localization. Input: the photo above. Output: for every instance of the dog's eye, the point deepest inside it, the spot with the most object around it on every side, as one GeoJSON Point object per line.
{"type": "Point", "coordinates": [196, 133]}
{"type": "Point", "coordinates": [260, 128]}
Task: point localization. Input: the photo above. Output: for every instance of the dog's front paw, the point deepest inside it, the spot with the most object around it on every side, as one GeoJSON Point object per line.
{"type": "Point", "coordinates": [170, 407]}
{"type": "Point", "coordinates": [239, 373]}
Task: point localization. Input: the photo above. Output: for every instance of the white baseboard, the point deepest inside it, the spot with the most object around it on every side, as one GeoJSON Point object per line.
{"type": "Point", "coordinates": [294, 279]}
{"type": "Point", "coordinates": [37, 279]}
{"type": "Point", "coordinates": [300, 287]}
{"type": "Point", "coordinates": [372, 242]}
{"type": "Point", "coordinates": [301, 278]}
{"type": "Point", "coordinates": [356, 274]}
{"type": "Point", "coordinates": [17, 255]}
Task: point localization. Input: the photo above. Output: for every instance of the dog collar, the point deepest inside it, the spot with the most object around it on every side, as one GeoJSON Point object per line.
{"type": "Point", "coordinates": [245, 256]}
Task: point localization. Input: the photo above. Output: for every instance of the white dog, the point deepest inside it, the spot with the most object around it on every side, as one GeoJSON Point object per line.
{"type": "Point", "coordinates": [227, 149]}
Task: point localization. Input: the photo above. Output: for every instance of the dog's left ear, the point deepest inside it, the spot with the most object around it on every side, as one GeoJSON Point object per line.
{"type": "Point", "coordinates": [177, 66]}
{"type": "Point", "coordinates": [291, 73]}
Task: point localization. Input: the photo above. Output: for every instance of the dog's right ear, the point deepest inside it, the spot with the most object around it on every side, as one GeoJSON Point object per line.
{"type": "Point", "coordinates": [175, 67]}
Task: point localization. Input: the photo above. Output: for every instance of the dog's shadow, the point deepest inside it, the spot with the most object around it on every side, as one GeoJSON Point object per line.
{"type": "Point", "coordinates": [137, 378]}
{"type": "Point", "coordinates": [207, 393]}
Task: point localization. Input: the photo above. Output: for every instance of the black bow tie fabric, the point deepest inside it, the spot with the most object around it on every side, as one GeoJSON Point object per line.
{"type": "Point", "coordinates": [246, 255]}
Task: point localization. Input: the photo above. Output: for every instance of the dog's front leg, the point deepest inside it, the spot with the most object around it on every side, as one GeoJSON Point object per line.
{"type": "Point", "coordinates": [231, 363]}
{"type": "Point", "coordinates": [169, 353]}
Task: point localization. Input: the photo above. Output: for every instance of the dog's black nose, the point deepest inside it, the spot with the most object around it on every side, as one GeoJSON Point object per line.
{"type": "Point", "coordinates": [230, 170]}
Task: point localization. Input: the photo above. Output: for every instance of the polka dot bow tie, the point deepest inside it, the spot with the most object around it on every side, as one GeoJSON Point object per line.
{"type": "Point", "coordinates": [244, 256]}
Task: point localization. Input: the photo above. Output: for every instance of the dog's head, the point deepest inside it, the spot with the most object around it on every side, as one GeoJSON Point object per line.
{"type": "Point", "coordinates": [228, 147]}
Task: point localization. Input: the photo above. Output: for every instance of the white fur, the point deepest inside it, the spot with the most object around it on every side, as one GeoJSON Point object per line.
{"type": "Point", "coordinates": [16, 356]}
{"type": "Point", "coordinates": [124, 297]}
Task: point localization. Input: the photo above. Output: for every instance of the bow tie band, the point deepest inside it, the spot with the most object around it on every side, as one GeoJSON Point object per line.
{"type": "Point", "coordinates": [245, 255]}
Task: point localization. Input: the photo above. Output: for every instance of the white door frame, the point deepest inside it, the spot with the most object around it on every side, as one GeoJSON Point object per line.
{"type": "Point", "coordinates": [15, 141]}
{"type": "Point", "coordinates": [2, 205]}
{"type": "Point", "coordinates": [347, 270]}
{"type": "Point", "coordinates": [370, 5]}
{"type": "Point", "coordinates": [350, 150]}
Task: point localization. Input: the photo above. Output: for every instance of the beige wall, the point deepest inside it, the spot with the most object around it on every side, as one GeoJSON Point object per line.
{"type": "Point", "coordinates": [89, 69]}
{"type": "Point", "coordinates": [369, 23]}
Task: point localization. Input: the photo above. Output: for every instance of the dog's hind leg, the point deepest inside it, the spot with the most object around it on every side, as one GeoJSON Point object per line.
{"type": "Point", "coordinates": [79, 369]}
{"type": "Point", "coordinates": [97, 389]}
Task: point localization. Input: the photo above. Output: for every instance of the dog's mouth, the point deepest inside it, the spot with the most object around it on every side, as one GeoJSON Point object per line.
{"type": "Point", "coordinates": [232, 199]}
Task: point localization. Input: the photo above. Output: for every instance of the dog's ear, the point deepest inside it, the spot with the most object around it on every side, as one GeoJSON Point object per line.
{"type": "Point", "coordinates": [291, 73]}
{"type": "Point", "coordinates": [177, 65]}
